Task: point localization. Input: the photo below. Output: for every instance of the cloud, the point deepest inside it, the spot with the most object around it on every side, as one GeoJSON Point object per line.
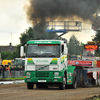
{"type": "Point", "coordinates": [12, 20]}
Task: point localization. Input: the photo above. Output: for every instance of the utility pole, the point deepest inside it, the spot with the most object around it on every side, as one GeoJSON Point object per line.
{"type": "Point", "coordinates": [11, 38]}
{"type": "Point", "coordinates": [11, 43]}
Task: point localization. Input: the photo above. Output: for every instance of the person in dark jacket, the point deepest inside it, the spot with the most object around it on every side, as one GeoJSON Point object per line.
{"type": "Point", "coordinates": [14, 68]}
{"type": "Point", "coordinates": [11, 68]}
{"type": "Point", "coordinates": [3, 69]}
{"type": "Point", "coordinates": [0, 70]}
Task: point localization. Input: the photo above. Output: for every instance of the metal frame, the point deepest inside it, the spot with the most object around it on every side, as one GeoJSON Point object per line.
{"type": "Point", "coordinates": [63, 26]}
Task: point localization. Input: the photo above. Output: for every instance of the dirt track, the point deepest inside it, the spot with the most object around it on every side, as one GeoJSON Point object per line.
{"type": "Point", "coordinates": [20, 92]}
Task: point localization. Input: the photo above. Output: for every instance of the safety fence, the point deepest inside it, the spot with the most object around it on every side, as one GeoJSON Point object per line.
{"type": "Point", "coordinates": [12, 74]}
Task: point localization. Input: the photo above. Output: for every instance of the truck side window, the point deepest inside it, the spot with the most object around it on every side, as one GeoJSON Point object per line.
{"type": "Point", "coordinates": [62, 48]}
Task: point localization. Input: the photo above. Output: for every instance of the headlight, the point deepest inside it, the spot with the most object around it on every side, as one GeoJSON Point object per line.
{"type": "Point", "coordinates": [28, 73]}
{"type": "Point", "coordinates": [56, 73]}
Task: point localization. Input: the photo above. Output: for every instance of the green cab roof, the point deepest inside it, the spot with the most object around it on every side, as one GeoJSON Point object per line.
{"type": "Point", "coordinates": [44, 42]}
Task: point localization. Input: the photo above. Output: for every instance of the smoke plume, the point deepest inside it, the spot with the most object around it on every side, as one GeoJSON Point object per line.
{"type": "Point", "coordinates": [39, 10]}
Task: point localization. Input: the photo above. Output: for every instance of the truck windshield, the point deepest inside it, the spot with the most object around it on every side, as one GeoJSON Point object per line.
{"type": "Point", "coordinates": [88, 52]}
{"type": "Point", "coordinates": [43, 50]}
{"type": "Point", "coordinates": [75, 57]}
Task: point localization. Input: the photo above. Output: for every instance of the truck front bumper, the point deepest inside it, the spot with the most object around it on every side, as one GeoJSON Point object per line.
{"type": "Point", "coordinates": [44, 77]}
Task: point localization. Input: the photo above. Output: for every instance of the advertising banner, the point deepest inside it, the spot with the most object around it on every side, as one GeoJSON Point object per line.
{"type": "Point", "coordinates": [80, 63]}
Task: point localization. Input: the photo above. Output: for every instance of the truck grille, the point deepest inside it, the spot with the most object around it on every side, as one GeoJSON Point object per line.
{"type": "Point", "coordinates": [42, 74]}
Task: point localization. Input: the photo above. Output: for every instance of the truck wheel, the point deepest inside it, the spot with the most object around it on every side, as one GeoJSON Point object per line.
{"type": "Point", "coordinates": [66, 86]}
{"type": "Point", "coordinates": [74, 85]}
{"type": "Point", "coordinates": [96, 81]}
{"type": "Point", "coordinates": [30, 85]}
{"type": "Point", "coordinates": [63, 84]}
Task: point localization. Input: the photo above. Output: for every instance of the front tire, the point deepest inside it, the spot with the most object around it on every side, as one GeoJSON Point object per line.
{"type": "Point", "coordinates": [63, 84]}
{"type": "Point", "coordinates": [30, 85]}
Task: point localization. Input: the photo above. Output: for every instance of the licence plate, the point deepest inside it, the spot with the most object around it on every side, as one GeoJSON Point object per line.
{"type": "Point", "coordinates": [27, 76]}
{"type": "Point", "coordinates": [41, 80]}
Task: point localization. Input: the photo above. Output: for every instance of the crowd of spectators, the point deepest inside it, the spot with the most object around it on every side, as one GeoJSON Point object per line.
{"type": "Point", "coordinates": [9, 68]}
{"type": "Point", "coordinates": [14, 68]}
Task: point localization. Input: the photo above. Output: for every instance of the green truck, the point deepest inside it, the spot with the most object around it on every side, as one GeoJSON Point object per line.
{"type": "Point", "coordinates": [46, 60]}
{"type": "Point", "coordinates": [46, 64]}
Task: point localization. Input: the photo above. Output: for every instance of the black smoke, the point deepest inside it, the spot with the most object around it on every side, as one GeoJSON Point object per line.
{"type": "Point", "coordinates": [40, 10]}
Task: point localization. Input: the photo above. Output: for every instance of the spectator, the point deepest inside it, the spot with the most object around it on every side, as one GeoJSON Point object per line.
{"type": "Point", "coordinates": [0, 70]}
{"type": "Point", "coordinates": [20, 68]}
{"type": "Point", "coordinates": [14, 68]}
{"type": "Point", "coordinates": [11, 68]}
{"type": "Point", "coordinates": [8, 68]}
{"type": "Point", "coordinates": [3, 69]}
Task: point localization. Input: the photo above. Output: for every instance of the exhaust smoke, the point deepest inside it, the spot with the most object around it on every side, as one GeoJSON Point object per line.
{"type": "Point", "coordinates": [39, 10]}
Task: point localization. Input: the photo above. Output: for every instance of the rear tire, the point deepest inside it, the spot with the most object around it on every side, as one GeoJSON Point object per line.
{"type": "Point", "coordinates": [96, 82]}
{"type": "Point", "coordinates": [74, 85]}
{"type": "Point", "coordinates": [30, 85]}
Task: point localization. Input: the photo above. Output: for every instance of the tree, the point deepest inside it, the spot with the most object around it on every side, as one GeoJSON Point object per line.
{"type": "Point", "coordinates": [97, 36]}
{"type": "Point", "coordinates": [6, 55]}
{"type": "Point", "coordinates": [3, 55]}
{"type": "Point", "coordinates": [74, 46]}
{"type": "Point", "coordinates": [9, 55]}
{"type": "Point", "coordinates": [26, 35]}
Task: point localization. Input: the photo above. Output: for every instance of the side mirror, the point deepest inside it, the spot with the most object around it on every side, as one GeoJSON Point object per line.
{"type": "Point", "coordinates": [22, 51]}
{"type": "Point", "coordinates": [66, 51]}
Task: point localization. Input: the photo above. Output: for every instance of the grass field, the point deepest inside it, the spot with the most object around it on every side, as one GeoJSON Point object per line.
{"type": "Point", "coordinates": [7, 79]}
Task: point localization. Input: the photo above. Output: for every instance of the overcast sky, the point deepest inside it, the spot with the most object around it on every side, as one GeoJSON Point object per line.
{"type": "Point", "coordinates": [13, 21]}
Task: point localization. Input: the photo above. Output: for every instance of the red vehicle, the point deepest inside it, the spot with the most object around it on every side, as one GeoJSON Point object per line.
{"type": "Point", "coordinates": [88, 69]}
